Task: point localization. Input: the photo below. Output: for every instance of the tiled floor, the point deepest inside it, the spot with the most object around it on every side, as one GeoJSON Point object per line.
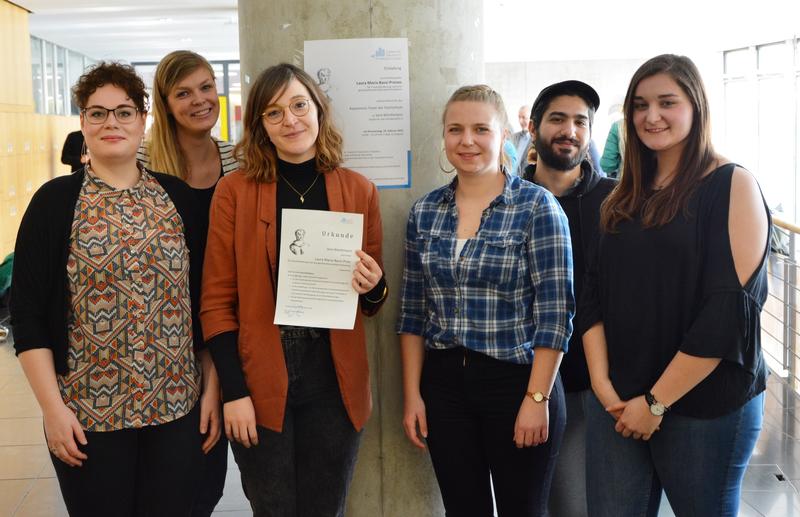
{"type": "Point", "coordinates": [28, 487]}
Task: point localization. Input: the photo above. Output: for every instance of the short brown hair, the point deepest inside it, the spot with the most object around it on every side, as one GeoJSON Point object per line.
{"type": "Point", "coordinates": [257, 154]}
{"type": "Point", "coordinates": [110, 72]}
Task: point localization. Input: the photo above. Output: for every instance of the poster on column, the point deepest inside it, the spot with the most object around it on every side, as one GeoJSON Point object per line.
{"type": "Point", "coordinates": [366, 81]}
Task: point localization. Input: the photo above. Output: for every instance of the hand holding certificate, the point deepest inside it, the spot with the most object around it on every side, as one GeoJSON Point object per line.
{"type": "Point", "coordinates": [315, 277]}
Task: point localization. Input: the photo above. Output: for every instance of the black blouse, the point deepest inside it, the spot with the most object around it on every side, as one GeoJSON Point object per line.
{"type": "Point", "coordinates": [674, 288]}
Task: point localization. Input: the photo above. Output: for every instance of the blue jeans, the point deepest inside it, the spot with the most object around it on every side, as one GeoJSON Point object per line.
{"type": "Point", "coordinates": [568, 491]}
{"type": "Point", "coordinates": [699, 463]}
{"type": "Point", "coordinates": [305, 470]}
{"type": "Point", "coordinates": [471, 404]}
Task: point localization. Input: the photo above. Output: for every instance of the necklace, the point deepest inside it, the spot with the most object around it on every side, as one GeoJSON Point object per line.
{"type": "Point", "coordinates": [303, 194]}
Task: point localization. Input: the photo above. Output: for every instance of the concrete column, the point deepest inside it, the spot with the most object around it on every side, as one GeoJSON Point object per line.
{"type": "Point", "coordinates": [393, 479]}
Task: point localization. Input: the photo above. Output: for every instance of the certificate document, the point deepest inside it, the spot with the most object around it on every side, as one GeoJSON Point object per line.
{"type": "Point", "coordinates": [367, 82]}
{"type": "Point", "coordinates": [318, 256]}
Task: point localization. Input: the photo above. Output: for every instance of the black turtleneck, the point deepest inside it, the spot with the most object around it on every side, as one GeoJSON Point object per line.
{"type": "Point", "coordinates": [305, 178]}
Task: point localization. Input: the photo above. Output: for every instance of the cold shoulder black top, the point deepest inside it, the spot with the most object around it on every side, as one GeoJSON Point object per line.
{"type": "Point", "coordinates": [674, 288]}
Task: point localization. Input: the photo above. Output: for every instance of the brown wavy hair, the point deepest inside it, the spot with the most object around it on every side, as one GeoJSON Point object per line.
{"type": "Point", "coordinates": [633, 196]}
{"type": "Point", "coordinates": [162, 143]}
{"type": "Point", "coordinates": [111, 72]}
{"type": "Point", "coordinates": [485, 94]}
{"type": "Point", "coordinates": [257, 155]}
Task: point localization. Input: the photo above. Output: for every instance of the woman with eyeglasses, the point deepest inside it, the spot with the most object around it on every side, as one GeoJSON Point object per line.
{"type": "Point", "coordinates": [185, 110]}
{"type": "Point", "coordinates": [296, 398]}
{"type": "Point", "coordinates": [104, 287]}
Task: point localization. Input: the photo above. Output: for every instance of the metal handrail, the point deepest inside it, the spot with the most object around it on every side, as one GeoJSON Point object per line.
{"type": "Point", "coordinates": [785, 278]}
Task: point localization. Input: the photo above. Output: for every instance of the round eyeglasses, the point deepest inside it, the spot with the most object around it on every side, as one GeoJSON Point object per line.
{"type": "Point", "coordinates": [99, 114]}
{"type": "Point", "coordinates": [274, 112]}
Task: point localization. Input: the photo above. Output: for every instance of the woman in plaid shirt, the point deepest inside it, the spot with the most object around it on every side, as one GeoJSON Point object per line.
{"type": "Point", "coordinates": [485, 318]}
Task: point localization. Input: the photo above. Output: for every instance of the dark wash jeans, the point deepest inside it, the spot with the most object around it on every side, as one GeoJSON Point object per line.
{"type": "Point", "coordinates": [471, 404]}
{"type": "Point", "coordinates": [305, 470]}
{"type": "Point", "coordinates": [699, 463]}
{"type": "Point", "coordinates": [152, 471]}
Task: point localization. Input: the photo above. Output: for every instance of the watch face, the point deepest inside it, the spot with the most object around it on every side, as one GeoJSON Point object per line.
{"type": "Point", "coordinates": [657, 409]}
{"type": "Point", "coordinates": [538, 397]}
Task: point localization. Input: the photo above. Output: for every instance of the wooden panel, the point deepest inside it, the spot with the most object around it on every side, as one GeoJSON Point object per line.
{"type": "Point", "coordinates": [15, 57]}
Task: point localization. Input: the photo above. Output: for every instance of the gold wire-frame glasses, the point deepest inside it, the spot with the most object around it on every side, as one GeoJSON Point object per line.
{"type": "Point", "coordinates": [274, 113]}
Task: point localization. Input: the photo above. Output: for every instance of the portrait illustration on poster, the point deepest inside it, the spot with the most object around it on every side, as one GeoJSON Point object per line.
{"type": "Point", "coordinates": [367, 82]}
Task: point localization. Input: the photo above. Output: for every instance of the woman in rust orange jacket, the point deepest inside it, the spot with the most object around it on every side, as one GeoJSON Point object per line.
{"type": "Point", "coordinates": [296, 398]}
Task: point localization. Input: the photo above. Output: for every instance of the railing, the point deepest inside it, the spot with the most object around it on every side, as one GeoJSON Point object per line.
{"type": "Point", "coordinates": [780, 317]}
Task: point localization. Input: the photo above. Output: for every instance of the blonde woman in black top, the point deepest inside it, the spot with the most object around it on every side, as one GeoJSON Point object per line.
{"type": "Point", "coordinates": [185, 110]}
{"type": "Point", "coordinates": [672, 305]}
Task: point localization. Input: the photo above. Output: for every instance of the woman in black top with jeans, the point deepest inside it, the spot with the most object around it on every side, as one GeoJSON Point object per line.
{"type": "Point", "coordinates": [672, 305]}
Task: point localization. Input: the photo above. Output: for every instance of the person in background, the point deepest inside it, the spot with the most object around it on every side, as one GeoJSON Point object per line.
{"type": "Point", "coordinates": [614, 150]}
{"type": "Point", "coordinates": [296, 398]}
{"type": "Point", "coordinates": [185, 110]}
{"type": "Point", "coordinates": [522, 138]}
{"type": "Point", "coordinates": [563, 115]}
{"type": "Point", "coordinates": [672, 305]}
{"type": "Point", "coordinates": [512, 157]}
{"type": "Point", "coordinates": [103, 310]}
{"type": "Point", "coordinates": [74, 152]}
{"type": "Point", "coordinates": [485, 318]}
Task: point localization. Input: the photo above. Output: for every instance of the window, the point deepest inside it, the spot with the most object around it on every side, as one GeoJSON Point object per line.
{"type": "Point", "coordinates": [55, 69]}
{"type": "Point", "coordinates": [762, 92]}
{"type": "Point", "coordinates": [37, 69]}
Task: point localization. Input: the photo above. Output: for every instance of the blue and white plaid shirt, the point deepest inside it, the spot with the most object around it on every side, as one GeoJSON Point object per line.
{"type": "Point", "coordinates": [510, 289]}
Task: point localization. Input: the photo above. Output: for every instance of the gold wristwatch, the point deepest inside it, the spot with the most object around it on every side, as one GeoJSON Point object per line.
{"type": "Point", "coordinates": [537, 396]}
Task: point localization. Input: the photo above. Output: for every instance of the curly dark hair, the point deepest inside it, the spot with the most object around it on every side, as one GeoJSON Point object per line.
{"type": "Point", "coordinates": [110, 72]}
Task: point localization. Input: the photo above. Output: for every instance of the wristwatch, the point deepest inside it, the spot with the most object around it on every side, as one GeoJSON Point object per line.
{"type": "Point", "coordinates": [537, 396]}
{"type": "Point", "coordinates": [656, 407]}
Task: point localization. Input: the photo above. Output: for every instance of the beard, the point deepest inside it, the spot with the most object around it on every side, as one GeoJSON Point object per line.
{"type": "Point", "coordinates": [556, 160]}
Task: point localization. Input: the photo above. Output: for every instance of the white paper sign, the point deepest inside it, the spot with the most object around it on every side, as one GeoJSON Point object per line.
{"type": "Point", "coordinates": [318, 256]}
{"type": "Point", "coordinates": [367, 83]}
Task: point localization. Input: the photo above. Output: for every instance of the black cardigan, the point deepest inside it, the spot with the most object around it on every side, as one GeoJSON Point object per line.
{"type": "Point", "coordinates": [39, 289]}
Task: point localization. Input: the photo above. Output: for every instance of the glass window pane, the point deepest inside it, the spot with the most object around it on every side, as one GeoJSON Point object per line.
{"type": "Point", "coordinates": [776, 144]}
{"type": "Point", "coordinates": [797, 145]}
{"type": "Point", "coordinates": [219, 76]}
{"type": "Point", "coordinates": [61, 80]}
{"type": "Point", "coordinates": [75, 72]}
{"type": "Point", "coordinates": [741, 128]}
{"type": "Point", "coordinates": [774, 58]}
{"type": "Point", "coordinates": [148, 74]}
{"type": "Point", "coordinates": [37, 71]}
{"type": "Point", "coordinates": [49, 77]}
{"type": "Point", "coordinates": [737, 62]}
{"type": "Point", "coordinates": [797, 53]}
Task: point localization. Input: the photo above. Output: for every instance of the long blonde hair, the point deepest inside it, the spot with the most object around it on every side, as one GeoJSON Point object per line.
{"type": "Point", "coordinates": [162, 143]}
{"type": "Point", "coordinates": [256, 153]}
